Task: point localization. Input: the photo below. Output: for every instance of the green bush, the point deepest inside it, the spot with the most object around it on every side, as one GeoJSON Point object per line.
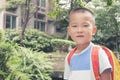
{"type": "Point", "coordinates": [34, 39]}
{"type": "Point", "coordinates": [18, 63]}
{"type": "Point", "coordinates": [61, 45]}
{"type": "Point", "coordinates": [6, 50]}
{"type": "Point", "coordinates": [2, 36]}
{"type": "Point", "coordinates": [11, 35]}
{"type": "Point", "coordinates": [39, 41]}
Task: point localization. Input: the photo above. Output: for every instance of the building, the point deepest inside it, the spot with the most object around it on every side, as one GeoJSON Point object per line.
{"type": "Point", "coordinates": [12, 18]}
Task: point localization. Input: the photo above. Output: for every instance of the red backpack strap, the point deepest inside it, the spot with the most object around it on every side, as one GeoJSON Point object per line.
{"type": "Point", "coordinates": [95, 61]}
{"type": "Point", "coordinates": [109, 54]}
{"type": "Point", "coordinates": [71, 54]}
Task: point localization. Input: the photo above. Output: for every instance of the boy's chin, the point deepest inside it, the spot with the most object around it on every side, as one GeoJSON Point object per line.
{"type": "Point", "coordinates": [79, 43]}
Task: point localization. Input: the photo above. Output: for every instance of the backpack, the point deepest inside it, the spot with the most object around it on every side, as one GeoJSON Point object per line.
{"type": "Point", "coordinates": [95, 61]}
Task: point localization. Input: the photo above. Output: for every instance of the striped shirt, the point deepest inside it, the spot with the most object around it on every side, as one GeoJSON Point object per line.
{"type": "Point", "coordinates": [80, 67]}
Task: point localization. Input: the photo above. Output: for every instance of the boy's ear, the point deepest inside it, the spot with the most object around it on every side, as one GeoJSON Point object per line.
{"type": "Point", "coordinates": [94, 30]}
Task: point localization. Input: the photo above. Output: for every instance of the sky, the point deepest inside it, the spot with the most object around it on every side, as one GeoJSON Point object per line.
{"type": "Point", "coordinates": [66, 3]}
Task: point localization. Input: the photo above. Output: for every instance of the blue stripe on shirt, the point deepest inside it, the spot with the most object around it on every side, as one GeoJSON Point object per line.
{"type": "Point", "coordinates": [81, 61]}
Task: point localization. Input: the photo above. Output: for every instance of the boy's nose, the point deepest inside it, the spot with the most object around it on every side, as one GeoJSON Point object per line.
{"type": "Point", "coordinates": [79, 29]}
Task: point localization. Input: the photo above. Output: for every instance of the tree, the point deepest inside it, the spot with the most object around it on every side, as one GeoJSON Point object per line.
{"type": "Point", "coordinates": [28, 7]}
{"type": "Point", "coordinates": [107, 21]}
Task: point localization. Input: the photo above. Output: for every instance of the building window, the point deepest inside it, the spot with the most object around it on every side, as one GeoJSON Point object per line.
{"type": "Point", "coordinates": [39, 25]}
{"type": "Point", "coordinates": [43, 26]}
{"type": "Point", "coordinates": [43, 3]}
{"type": "Point", "coordinates": [10, 21]}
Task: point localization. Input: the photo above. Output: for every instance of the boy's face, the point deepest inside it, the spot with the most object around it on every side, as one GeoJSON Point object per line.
{"type": "Point", "coordinates": [81, 27]}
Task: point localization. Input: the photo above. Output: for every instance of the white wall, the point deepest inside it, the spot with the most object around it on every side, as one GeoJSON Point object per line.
{"type": "Point", "coordinates": [1, 19]}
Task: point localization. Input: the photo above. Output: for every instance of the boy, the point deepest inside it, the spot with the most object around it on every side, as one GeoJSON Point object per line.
{"type": "Point", "coordinates": [81, 28]}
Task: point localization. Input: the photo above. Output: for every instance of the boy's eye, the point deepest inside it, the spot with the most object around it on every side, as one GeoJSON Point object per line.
{"type": "Point", "coordinates": [85, 25]}
{"type": "Point", "coordinates": [73, 25]}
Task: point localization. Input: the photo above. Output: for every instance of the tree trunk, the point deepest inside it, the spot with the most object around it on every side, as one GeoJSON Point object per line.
{"type": "Point", "coordinates": [25, 19]}
{"type": "Point", "coordinates": [26, 16]}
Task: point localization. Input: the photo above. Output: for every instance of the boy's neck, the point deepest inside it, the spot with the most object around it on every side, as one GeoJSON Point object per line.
{"type": "Point", "coordinates": [81, 47]}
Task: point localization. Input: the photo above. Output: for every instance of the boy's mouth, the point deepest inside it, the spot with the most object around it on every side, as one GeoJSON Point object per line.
{"type": "Point", "coordinates": [79, 36]}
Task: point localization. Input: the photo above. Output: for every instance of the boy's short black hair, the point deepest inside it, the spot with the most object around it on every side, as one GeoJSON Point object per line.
{"type": "Point", "coordinates": [81, 9]}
